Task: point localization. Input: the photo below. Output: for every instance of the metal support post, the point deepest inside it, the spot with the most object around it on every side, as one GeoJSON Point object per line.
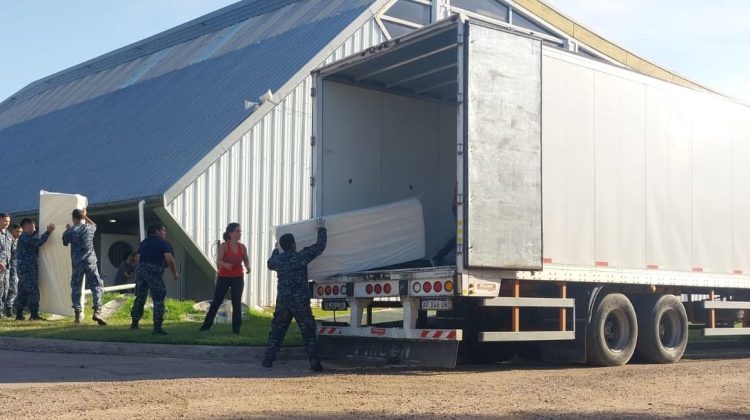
{"type": "Point", "coordinates": [411, 312]}
{"type": "Point", "coordinates": [516, 310]}
{"type": "Point", "coordinates": [563, 311]}
{"type": "Point", "coordinates": [712, 312]}
{"type": "Point", "coordinates": [356, 306]}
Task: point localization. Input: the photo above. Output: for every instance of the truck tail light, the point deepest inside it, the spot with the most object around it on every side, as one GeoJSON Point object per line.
{"type": "Point", "coordinates": [427, 287]}
{"type": "Point", "coordinates": [328, 290]}
{"type": "Point", "coordinates": [321, 290]}
{"type": "Point", "coordinates": [368, 289]}
{"type": "Point", "coordinates": [378, 288]}
{"type": "Point", "coordinates": [387, 288]}
{"type": "Point", "coordinates": [335, 290]}
{"type": "Point", "coordinates": [437, 286]}
{"type": "Point", "coordinates": [448, 286]}
{"type": "Point", "coordinates": [416, 287]}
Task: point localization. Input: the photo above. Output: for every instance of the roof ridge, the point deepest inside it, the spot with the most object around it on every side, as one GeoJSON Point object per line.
{"type": "Point", "coordinates": [211, 22]}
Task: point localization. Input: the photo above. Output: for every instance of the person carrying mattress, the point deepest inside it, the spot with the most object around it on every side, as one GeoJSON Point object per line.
{"type": "Point", "coordinates": [293, 295]}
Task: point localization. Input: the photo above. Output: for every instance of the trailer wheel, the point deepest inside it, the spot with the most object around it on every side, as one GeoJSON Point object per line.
{"type": "Point", "coordinates": [663, 332]}
{"type": "Point", "coordinates": [613, 332]}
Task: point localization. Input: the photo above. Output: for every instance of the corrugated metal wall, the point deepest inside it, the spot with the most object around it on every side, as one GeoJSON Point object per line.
{"type": "Point", "coordinates": [263, 180]}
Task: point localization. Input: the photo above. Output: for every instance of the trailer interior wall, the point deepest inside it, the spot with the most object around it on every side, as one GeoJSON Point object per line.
{"type": "Point", "coordinates": [640, 174]}
{"type": "Point", "coordinates": [380, 147]}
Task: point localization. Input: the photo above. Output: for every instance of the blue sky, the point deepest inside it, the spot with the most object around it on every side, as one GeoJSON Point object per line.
{"type": "Point", "coordinates": [704, 40]}
{"type": "Point", "coordinates": [707, 41]}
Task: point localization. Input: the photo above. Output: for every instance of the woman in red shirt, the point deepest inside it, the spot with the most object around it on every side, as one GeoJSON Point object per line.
{"type": "Point", "coordinates": [232, 253]}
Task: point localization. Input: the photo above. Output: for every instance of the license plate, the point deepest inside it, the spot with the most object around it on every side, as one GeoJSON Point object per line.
{"type": "Point", "coordinates": [334, 304]}
{"type": "Point", "coordinates": [437, 304]}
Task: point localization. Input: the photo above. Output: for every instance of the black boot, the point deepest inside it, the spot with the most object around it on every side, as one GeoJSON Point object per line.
{"type": "Point", "coordinates": [159, 331]}
{"type": "Point", "coordinates": [204, 327]}
{"type": "Point", "coordinates": [35, 316]}
{"type": "Point", "coordinates": [98, 317]}
{"type": "Point", "coordinates": [77, 319]}
{"type": "Point", "coordinates": [315, 365]}
{"type": "Point", "coordinates": [19, 314]}
{"type": "Point", "coordinates": [134, 324]}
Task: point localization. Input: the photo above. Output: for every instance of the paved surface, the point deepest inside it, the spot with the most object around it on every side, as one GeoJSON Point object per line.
{"type": "Point", "coordinates": [95, 386]}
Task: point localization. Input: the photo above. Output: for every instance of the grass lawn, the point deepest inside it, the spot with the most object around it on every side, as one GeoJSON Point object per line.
{"type": "Point", "coordinates": [180, 328]}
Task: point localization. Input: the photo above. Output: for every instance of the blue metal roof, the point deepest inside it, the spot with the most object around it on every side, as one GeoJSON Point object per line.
{"type": "Point", "coordinates": [135, 137]}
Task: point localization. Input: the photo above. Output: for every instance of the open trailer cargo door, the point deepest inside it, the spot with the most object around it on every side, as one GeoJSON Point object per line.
{"type": "Point", "coordinates": [503, 225]}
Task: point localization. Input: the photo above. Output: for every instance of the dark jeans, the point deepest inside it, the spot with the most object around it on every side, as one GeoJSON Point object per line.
{"type": "Point", "coordinates": [223, 284]}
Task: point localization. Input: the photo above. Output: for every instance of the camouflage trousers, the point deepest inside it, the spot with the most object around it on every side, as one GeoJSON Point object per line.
{"type": "Point", "coordinates": [4, 288]}
{"type": "Point", "coordinates": [93, 283]}
{"type": "Point", "coordinates": [28, 291]}
{"type": "Point", "coordinates": [149, 277]}
{"type": "Point", "coordinates": [282, 317]}
{"type": "Point", "coordinates": [10, 297]}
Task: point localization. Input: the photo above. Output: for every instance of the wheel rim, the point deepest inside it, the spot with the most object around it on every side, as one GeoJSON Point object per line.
{"type": "Point", "coordinates": [616, 330]}
{"type": "Point", "coordinates": [670, 333]}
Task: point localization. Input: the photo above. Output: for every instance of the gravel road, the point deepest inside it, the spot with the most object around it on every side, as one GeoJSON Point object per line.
{"type": "Point", "coordinates": [54, 385]}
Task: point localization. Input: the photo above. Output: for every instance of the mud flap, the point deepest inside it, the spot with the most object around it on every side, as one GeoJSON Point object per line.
{"type": "Point", "coordinates": [383, 351]}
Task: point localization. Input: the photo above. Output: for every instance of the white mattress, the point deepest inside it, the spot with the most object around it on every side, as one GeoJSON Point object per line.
{"type": "Point", "coordinates": [54, 258]}
{"type": "Point", "coordinates": [364, 239]}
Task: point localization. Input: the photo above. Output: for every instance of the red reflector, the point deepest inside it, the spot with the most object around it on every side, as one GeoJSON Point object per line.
{"type": "Point", "coordinates": [438, 286]}
{"type": "Point", "coordinates": [378, 288]}
{"type": "Point", "coordinates": [335, 290]}
{"type": "Point", "coordinates": [368, 289]}
{"type": "Point", "coordinates": [427, 287]}
{"type": "Point", "coordinates": [387, 288]}
{"type": "Point", "coordinates": [321, 290]}
{"type": "Point", "coordinates": [328, 290]}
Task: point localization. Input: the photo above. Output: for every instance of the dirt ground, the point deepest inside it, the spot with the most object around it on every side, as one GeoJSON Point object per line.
{"type": "Point", "coordinates": [52, 385]}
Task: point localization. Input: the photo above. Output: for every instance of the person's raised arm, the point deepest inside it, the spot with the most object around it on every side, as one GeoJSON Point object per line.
{"type": "Point", "coordinates": [273, 262]}
{"type": "Point", "coordinates": [85, 215]}
{"type": "Point", "coordinates": [44, 236]}
{"type": "Point", "coordinates": [311, 252]}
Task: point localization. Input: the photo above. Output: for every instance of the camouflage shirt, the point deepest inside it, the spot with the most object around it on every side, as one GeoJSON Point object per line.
{"type": "Point", "coordinates": [27, 251]}
{"type": "Point", "coordinates": [291, 269]}
{"type": "Point", "coordinates": [81, 240]}
{"type": "Point", "coordinates": [6, 243]}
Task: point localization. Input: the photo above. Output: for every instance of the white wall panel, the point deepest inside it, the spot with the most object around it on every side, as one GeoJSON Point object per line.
{"type": "Point", "coordinates": [568, 167]}
{"type": "Point", "coordinates": [712, 185]}
{"type": "Point", "coordinates": [620, 171]}
{"type": "Point", "coordinates": [261, 181]}
{"type": "Point", "coordinates": [668, 181]}
{"type": "Point", "coordinates": [740, 188]}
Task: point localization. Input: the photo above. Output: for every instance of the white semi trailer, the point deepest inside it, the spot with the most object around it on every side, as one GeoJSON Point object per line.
{"type": "Point", "coordinates": [585, 200]}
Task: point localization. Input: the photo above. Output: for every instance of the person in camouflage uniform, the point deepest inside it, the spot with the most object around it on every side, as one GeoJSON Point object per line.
{"type": "Point", "coordinates": [27, 253]}
{"type": "Point", "coordinates": [6, 244]}
{"type": "Point", "coordinates": [154, 252]}
{"type": "Point", "coordinates": [15, 231]}
{"type": "Point", "coordinates": [293, 295]}
{"type": "Point", "coordinates": [80, 237]}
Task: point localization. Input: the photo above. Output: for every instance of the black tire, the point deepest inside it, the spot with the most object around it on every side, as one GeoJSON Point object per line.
{"type": "Point", "coordinates": [611, 337]}
{"type": "Point", "coordinates": [663, 329]}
